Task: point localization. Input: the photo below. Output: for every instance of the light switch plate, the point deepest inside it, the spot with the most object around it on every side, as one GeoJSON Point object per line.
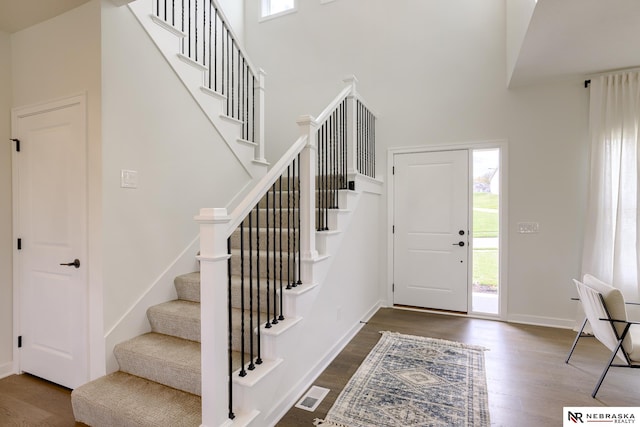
{"type": "Point", "coordinates": [128, 179]}
{"type": "Point", "coordinates": [528, 227]}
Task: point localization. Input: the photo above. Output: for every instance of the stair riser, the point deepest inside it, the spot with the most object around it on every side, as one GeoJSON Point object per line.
{"type": "Point", "coordinates": [176, 326]}
{"type": "Point", "coordinates": [265, 297]}
{"type": "Point", "coordinates": [275, 238]}
{"type": "Point", "coordinates": [280, 271]}
{"type": "Point", "coordinates": [277, 219]}
{"type": "Point", "coordinates": [167, 374]}
{"type": "Point", "coordinates": [188, 287]}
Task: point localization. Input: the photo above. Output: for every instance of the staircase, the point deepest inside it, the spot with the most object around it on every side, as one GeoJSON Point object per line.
{"type": "Point", "coordinates": [159, 381]}
{"type": "Point", "coordinates": [234, 344]}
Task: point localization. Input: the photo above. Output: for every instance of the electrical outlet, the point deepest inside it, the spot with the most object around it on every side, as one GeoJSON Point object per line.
{"type": "Point", "coordinates": [528, 227]}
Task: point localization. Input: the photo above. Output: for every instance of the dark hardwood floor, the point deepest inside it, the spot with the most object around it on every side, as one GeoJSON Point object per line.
{"type": "Point", "coordinates": [28, 401]}
{"type": "Point", "coordinates": [528, 381]}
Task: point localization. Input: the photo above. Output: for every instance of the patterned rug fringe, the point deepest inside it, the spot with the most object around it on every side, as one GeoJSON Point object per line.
{"type": "Point", "coordinates": [437, 340]}
{"type": "Point", "coordinates": [319, 422]}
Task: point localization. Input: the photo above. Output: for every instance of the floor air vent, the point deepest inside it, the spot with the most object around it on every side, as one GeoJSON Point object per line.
{"type": "Point", "coordinates": [312, 398]}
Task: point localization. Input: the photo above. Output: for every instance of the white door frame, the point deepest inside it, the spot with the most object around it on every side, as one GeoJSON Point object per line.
{"type": "Point", "coordinates": [503, 210]}
{"type": "Point", "coordinates": [16, 113]}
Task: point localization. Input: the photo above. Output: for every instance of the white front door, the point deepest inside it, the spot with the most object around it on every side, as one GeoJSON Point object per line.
{"type": "Point", "coordinates": [431, 228]}
{"type": "Point", "coordinates": [50, 222]}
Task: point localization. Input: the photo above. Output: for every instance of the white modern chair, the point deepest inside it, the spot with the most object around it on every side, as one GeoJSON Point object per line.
{"type": "Point", "coordinates": [604, 307]}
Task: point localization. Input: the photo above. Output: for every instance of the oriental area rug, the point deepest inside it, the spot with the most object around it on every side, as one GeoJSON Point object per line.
{"type": "Point", "coordinates": [414, 381]}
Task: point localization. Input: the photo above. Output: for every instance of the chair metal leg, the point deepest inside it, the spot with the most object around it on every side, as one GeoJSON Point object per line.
{"type": "Point", "coordinates": [575, 342]}
{"type": "Point", "coordinates": [604, 373]}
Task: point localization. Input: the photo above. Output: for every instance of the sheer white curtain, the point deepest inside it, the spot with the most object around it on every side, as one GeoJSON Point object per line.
{"type": "Point", "coordinates": [612, 240]}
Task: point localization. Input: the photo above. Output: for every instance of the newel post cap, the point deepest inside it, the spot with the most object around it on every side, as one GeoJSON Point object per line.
{"type": "Point", "coordinates": [213, 215]}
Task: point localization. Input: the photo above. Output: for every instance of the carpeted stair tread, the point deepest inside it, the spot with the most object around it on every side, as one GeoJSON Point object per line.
{"type": "Point", "coordinates": [124, 400]}
{"type": "Point", "coordinates": [177, 318]}
{"type": "Point", "coordinates": [167, 360]}
{"type": "Point", "coordinates": [188, 286]}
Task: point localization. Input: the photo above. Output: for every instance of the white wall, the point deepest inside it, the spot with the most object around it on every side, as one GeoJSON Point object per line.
{"type": "Point", "coordinates": [519, 14]}
{"type": "Point", "coordinates": [435, 72]}
{"type": "Point", "coordinates": [152, 125]}
{"type": "Point", "coordinates": [548, 164]}
{"type": "Point", "coordinates": [234, 11]}
{"type": "Point", "coordinates": [6, 234]}
{"type": "Point", "coordinates": [58, 58]}
{"type": "Point", "coordinates": [333, 311]}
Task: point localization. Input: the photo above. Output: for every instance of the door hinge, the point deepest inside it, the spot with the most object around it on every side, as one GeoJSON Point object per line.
{"type": "Point", "coordinates": [20, 341]}
{"type": "Point", "coordinates": [17, 141]}
{"type": "Point", "coordinates": [393, 170]}
{"type": "Point", "coordinates": [19, 244]}
{"type": "Point", "coordinates": [393, 287]}
{"type": "Point", "coordinates": [393, 229]}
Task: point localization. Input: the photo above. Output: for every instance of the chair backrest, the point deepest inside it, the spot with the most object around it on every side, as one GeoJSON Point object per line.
{"type": "Point", "coordinates": [600, 301]}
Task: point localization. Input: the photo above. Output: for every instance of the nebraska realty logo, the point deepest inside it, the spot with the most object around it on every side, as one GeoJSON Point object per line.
{"type": "Point", "coordinates": [602, 416]}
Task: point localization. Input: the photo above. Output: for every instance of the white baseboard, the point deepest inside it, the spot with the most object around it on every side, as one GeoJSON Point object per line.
{"type": "Point", "coordinates": [6, 369]}
{"type": "Point", "coordinates": [553, 322]}
{"type": "Point", "coordinates": [287, 402]}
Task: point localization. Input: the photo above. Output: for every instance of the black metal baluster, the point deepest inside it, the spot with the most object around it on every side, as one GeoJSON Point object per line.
{"type": "Point", "coordinates": [173, 13]}
{"type": "Point", "coordinates": [317, 186]}
{"type": "Point", "coordinates": [336, 149]}
{"type": "Point", "coordinates": [195, 30]}
{"type": "Point", "coordinates": [251, 365]}
{"type": "Point", "coordinates": [229, 333]}
{"type": "Point", "coordinates": [326, 178]}
{"type": "Point", "coordinates": [292, 229]}
{"type": "Point", "coordinates": [243, 372]}
{"type": "Point", "coordinates": [373, 169]}
{"type": "Point", "coordinates": [210, 38]}
{"type": "Point", "coordinates": [258, 310]}
{"type": "Point", "coordinates": [253, 109]}
{"type": "Point", "coordinates": [215, 49]}
{"type": "Point", "coordinates": [189, 31]}
{"type": "Point", "coordinates": [322, 178]}
{"type": "Point", "coordinates": [329, 163]}
{"type": "Point", "coordinates": [268, 324]}
{"type": "Point", "coordinates": [288, 227]}
{"type": "Point", "coordinates": [233, 78]}
{"type": "Point", "coordinates": [275, 271]}
{"type": "Point", "coordinates": [299, 226]}
{"type": "Point", "coordinates": [222, 60]}
{"type": "Point", "coordinates": [344, 144]}
{"type": "Point", "coordinates": [280, 317]}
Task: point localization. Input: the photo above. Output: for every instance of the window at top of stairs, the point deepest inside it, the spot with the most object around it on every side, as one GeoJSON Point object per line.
{"type": "Point", "coordinates": [275, 8]}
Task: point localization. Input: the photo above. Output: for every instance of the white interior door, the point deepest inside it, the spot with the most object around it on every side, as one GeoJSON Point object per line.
{"type": "Point", "coordinates": [50, 206]}
{"type": "Point", "coordinates": [431, 227]}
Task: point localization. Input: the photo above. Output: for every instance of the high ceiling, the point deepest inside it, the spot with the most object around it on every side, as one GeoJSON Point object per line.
{"type": "Point", "coordinates": [578, 38]}
{"type": "Point", "coordinates": [16, 15]}
{"type": "Point", "coordinates": [564, 38]}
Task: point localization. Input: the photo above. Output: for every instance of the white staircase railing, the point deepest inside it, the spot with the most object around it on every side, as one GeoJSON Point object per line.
{"type": "Point", "coordinates": [331, 150]}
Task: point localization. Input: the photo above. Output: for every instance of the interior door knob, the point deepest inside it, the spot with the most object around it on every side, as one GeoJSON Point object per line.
{"type": "Point", "coordinates": [75, 263]}
{"type": "Point", "coordinates": [458, 244]}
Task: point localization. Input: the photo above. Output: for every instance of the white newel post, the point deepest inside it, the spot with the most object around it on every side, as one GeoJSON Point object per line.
{"type": "Point", "coordinates": [259, 118]}
{"type": "Point", "coordinates": [214, 320]}
{"type": "Point", "coordinates": [352, 130]}
{"type": "Point", "coordinates": [308, 162]}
